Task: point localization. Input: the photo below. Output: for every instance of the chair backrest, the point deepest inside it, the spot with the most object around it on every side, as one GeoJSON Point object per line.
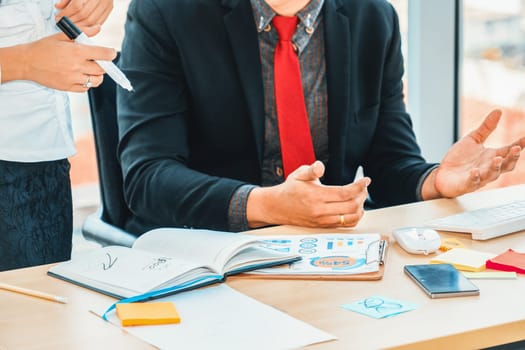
{"type": "Point", "coordinates": [102, 103]}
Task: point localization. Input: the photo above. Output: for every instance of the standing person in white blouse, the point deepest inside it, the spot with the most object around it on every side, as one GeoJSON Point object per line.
{"type": "Point", "coordinates": [37, 66]}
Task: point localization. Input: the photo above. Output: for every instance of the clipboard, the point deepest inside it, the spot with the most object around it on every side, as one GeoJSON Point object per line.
{"type": "Point", "coordinates": [382, 246]}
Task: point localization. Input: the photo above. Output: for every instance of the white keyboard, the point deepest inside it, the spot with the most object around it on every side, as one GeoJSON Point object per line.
{"type": "Point", "coordinates": [485, 223]}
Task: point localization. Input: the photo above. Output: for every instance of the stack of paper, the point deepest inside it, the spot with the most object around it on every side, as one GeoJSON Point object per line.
{"type": "Point", "coordinates": [508, 261]}
{"type": "Point", "coordinates": [464, 259]}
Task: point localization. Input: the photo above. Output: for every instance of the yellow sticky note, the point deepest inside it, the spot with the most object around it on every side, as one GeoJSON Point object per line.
{"type": "Point", "coordinates": [464, 259]}
{"type": "Point", "coordinates": [135, 314]}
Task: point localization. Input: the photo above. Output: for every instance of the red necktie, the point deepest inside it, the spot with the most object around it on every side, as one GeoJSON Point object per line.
{"type": "Point", "coordinates": [294, 132]}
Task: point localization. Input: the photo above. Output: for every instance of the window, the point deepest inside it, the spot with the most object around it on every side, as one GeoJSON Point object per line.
{"type": "Point", "coordinates": [493, 72]}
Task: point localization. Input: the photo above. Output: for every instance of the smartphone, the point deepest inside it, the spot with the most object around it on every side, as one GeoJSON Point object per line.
{"type": "Point", "coordinates": [441, 280]}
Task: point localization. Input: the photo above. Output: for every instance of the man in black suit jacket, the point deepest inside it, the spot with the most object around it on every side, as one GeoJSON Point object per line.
{"type": "Point", "coordinates": [194, 137]}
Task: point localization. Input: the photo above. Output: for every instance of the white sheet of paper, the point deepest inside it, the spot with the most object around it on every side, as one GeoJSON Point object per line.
{"type": "Point", "coordinates": [219, 317]}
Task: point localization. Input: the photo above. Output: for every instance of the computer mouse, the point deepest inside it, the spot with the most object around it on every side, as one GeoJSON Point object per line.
{"type": "Point", "coordinates": [417, 240]}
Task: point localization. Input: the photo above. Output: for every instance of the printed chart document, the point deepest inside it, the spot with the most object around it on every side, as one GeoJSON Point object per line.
{"type": "Point", "coordinates": [219, 317]}
{"type": "Point", "coordinates": [347, 256]}
{"type": "Point", "coordinates": [166, 261]}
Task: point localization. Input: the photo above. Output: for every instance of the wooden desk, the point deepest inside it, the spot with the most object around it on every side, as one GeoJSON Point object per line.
{"type": "Point", "coordinates": [496, 316]}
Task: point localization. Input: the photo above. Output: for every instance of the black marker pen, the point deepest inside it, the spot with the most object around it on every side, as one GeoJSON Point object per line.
{"type": "Point", "coordinates": [73, 33]}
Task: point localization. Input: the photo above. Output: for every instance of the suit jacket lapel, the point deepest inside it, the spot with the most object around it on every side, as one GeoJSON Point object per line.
{"type": "Point", "coordinates": [240, 26]}
{"type": "Point", "coordinates": [337, 49]}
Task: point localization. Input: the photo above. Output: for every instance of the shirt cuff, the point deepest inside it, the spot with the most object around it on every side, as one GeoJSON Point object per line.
{"type": "Point", "coordinates": [422, 179]}
{"type": "Point", "coordinates": [237, 220]}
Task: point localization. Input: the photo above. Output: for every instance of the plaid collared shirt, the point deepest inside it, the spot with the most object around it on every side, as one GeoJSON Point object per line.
{"type": "Point", "coordinates": [309, 42]}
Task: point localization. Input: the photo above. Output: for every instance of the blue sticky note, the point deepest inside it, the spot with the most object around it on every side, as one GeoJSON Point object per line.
{"type": "Point", "coordinates": [380, 307]}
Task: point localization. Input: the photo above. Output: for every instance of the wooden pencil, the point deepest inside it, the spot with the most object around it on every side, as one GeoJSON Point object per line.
{"type": "Point", "coordinates": [33, 293]}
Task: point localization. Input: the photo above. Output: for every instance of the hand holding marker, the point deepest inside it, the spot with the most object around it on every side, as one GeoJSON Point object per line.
{"type": "Point", "coordinates": [74, 33]}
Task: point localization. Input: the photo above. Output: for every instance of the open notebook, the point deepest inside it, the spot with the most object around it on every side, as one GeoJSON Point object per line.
{"type": "Point", "coordinates": [169, 260]}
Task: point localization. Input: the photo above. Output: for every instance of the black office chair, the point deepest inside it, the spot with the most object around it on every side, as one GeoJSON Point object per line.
{"type": "Point", "coordinates": [106, 225]}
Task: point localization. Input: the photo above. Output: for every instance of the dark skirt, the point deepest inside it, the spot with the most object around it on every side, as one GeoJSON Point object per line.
{"type": "Point", "coordinates": [36, 215]}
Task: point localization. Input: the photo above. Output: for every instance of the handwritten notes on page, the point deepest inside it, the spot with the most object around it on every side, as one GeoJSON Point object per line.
{"type": "Point", "coordinates": [123, 271]}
